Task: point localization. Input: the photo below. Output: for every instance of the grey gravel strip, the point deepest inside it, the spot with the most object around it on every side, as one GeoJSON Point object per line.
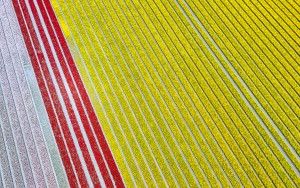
{"type": "Point", "coordinates": [11, 100]}
{"type": "Point", "coordinates": [6, 179]}
{"type": "Point", "coordinates": [9, 141]}
{"type": "Point", "coordinates": [1, 185]}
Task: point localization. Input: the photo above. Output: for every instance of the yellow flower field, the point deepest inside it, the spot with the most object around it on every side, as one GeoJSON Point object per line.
{"type": "Point", "coordinates": [192, 92]}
